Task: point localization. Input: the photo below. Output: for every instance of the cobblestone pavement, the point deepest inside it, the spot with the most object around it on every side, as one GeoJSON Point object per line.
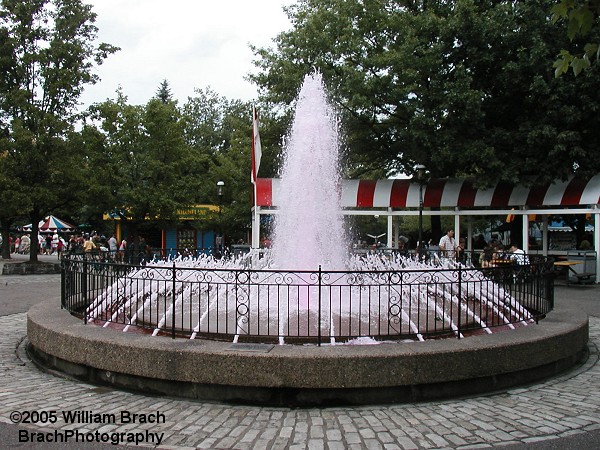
{"type": "Point", "coordinates": [563, 406]}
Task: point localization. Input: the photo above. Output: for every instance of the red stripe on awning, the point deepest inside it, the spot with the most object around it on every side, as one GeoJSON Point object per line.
{"type": "Point", "coordinates": [573, 192]}
{"type": "Point", "coordinates": [399, 193]}
{"type": "Point", "coordinates": [466, 197]}
{"type": "Point", "coordinates": [537, 194]}
{"type": "Point", "coordinates": [433, 193]}
{"type": "Point", "coordinates": [365, 194]}
{"type": "Point", "coordinates": [403, 191]}
{"type": "Point", "coordinates": [264, 192]}
{"type": "Point", "coordinates": [501, 194]}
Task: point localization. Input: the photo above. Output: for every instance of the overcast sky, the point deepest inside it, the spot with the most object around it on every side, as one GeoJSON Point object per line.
{"type": "Point", "coordinates": [190, 43]}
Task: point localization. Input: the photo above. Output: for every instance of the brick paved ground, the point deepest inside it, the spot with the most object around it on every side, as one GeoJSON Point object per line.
{"type": "Point", "coordinates": [563, 406]}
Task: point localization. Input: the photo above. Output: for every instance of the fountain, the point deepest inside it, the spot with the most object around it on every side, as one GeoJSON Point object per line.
{"type": "Point", "coordinates": [242, 314]}
{"type": "Point", "coordinates": [359, 298]}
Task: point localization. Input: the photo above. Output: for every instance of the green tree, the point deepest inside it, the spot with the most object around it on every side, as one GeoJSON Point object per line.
{"type": "Point", "coordinates": [148, 161]}
{"type": "Point", "coordinates": [14, 201]}
{"type": "Point", "coordinates": [462, 87]}
{"type": "Point", "coordinates": [164, 92]}
{"type": "Point", "coordinates": [204, 113]}
{"type": "Point", "coordinates": [47, 56]}
{"type": "Point", "coordinates": [581, 18]}
{"type": "Point", "coordinates": [142, 168]}
{"type": "Point", "coordinates": [219, 130]}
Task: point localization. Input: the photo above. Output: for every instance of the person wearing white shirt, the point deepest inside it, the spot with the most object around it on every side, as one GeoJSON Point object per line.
{"type": "Point", "coordinates": [448, 245]}
{"type": "Point", "coordinates": [112, 244]}
{"type": "Point", "coordinates": [517, 255]}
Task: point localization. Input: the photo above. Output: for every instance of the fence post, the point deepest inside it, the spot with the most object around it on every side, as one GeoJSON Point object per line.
{"type": "Point", "coordinates": [63, 297]}
{"type": "Point", "coordinates": [319, 314]}
{"type": "Point", "coordinates": [459, 299]}
{"type": "Point", "coordinates": [84, 287]}
{"type": "Point", "coordinates": [173, 305]}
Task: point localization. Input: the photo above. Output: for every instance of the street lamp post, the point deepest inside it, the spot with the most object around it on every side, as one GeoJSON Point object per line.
{"type": "Point", "coordinates": [220, 243]}
{"type": "Point", "coordinates": [420, 168]}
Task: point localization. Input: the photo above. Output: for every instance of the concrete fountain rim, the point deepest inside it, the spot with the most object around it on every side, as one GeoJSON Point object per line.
{"type": "Point", "coordinates": [306, 375]}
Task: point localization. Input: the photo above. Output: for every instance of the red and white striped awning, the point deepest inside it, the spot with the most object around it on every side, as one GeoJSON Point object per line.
{"type": "Point", "coordinates": [404, 193]}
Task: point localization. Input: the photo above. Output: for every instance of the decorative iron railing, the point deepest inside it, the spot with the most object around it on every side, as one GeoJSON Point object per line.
{"type": "Point", "coordinates": [241, 304]}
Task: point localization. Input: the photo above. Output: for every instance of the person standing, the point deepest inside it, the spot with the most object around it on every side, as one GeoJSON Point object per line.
{"type": "Point", "coordinates": [25, 244]}
{"type": "Point", "coordinates": [54, 243]}
{"type": "Point", "coordinates": [60, 247]}
{"type": "Point", "coordinates": [47, 242]}
{"type": "Point", "coordinates": [448, 245]}
{"type": "Point", "coordinates": [88, 244]}
{"type": "Point", "coordinates": [122, 250]}
{"type": "Point", "coordinates": [461, 254]}
{"type": "Point", "coordinates": [113, 246]}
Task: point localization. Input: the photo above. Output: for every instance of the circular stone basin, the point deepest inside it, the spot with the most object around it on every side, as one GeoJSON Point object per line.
{"type": "Point", "coordinates": [292, 375]}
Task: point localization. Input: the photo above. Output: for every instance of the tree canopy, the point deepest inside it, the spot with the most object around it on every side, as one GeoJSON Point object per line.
{"type": "Point", "coordinates": [581, 17]}
{"type": "Point", "coordinates": [140, 165]}
{"type": "Point", "coordinates": [47, 55]}
{"type": "Point", "coordinates": [147, 162]}
{"type": "Point", "coordinates": [220, 130]}
{"type": "Point", "coordinates": [464, 87]}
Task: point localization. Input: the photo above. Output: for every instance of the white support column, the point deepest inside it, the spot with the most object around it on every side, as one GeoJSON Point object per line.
{"type": "Point", "coordinates": [597, 241]}
{"type": "Point", "coordinates": [545, 235]}
{"type": "Point", "coordinates": [525, 232]}
{"type": "Point", "coordinates": [390, 228]}
{"type": "Point", "coordinates": [256, 227]}
{"type": "Point", "coordinates": [469, 235]}
{"type": "Point", "coordinates": [457, 226]}
{"type": "Point", "coordinates": [256, 209]}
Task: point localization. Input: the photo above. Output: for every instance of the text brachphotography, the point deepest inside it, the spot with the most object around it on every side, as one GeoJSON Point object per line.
{"type": "Point", "coordinates": [76, 436]}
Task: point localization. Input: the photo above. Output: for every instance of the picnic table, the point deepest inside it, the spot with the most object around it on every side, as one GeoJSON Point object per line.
{"type": "Point", "coordinates": [568, 266]}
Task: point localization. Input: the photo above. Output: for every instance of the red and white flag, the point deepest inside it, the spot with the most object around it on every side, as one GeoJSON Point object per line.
{"type": "Point", "coordinates": [256, 148]}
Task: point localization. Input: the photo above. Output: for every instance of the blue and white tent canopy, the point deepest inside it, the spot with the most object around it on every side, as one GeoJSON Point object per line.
{"type": "Point", "coordinates": [562, 226]}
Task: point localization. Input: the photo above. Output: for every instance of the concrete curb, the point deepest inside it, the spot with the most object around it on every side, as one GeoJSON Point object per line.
{"type": "Point", "coordinates": [27, 268]}
{"type": "Point", "coordinates": [307, 375]}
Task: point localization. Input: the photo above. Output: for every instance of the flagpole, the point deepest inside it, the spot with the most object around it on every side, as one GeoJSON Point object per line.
{"type": "Point", "coordinates": [256, 153]}
{"type": "Point", "coordinates": [255, 222]}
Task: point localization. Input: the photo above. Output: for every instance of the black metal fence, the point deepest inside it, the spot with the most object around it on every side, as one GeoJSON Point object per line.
{"type": "Point", "coordinates": [241, 304]}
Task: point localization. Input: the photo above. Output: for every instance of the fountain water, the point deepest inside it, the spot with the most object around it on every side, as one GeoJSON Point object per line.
{"type": "Point", "coordinates": [309, 229]}
{"type": "Point", "coordinates": [284, 296]}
